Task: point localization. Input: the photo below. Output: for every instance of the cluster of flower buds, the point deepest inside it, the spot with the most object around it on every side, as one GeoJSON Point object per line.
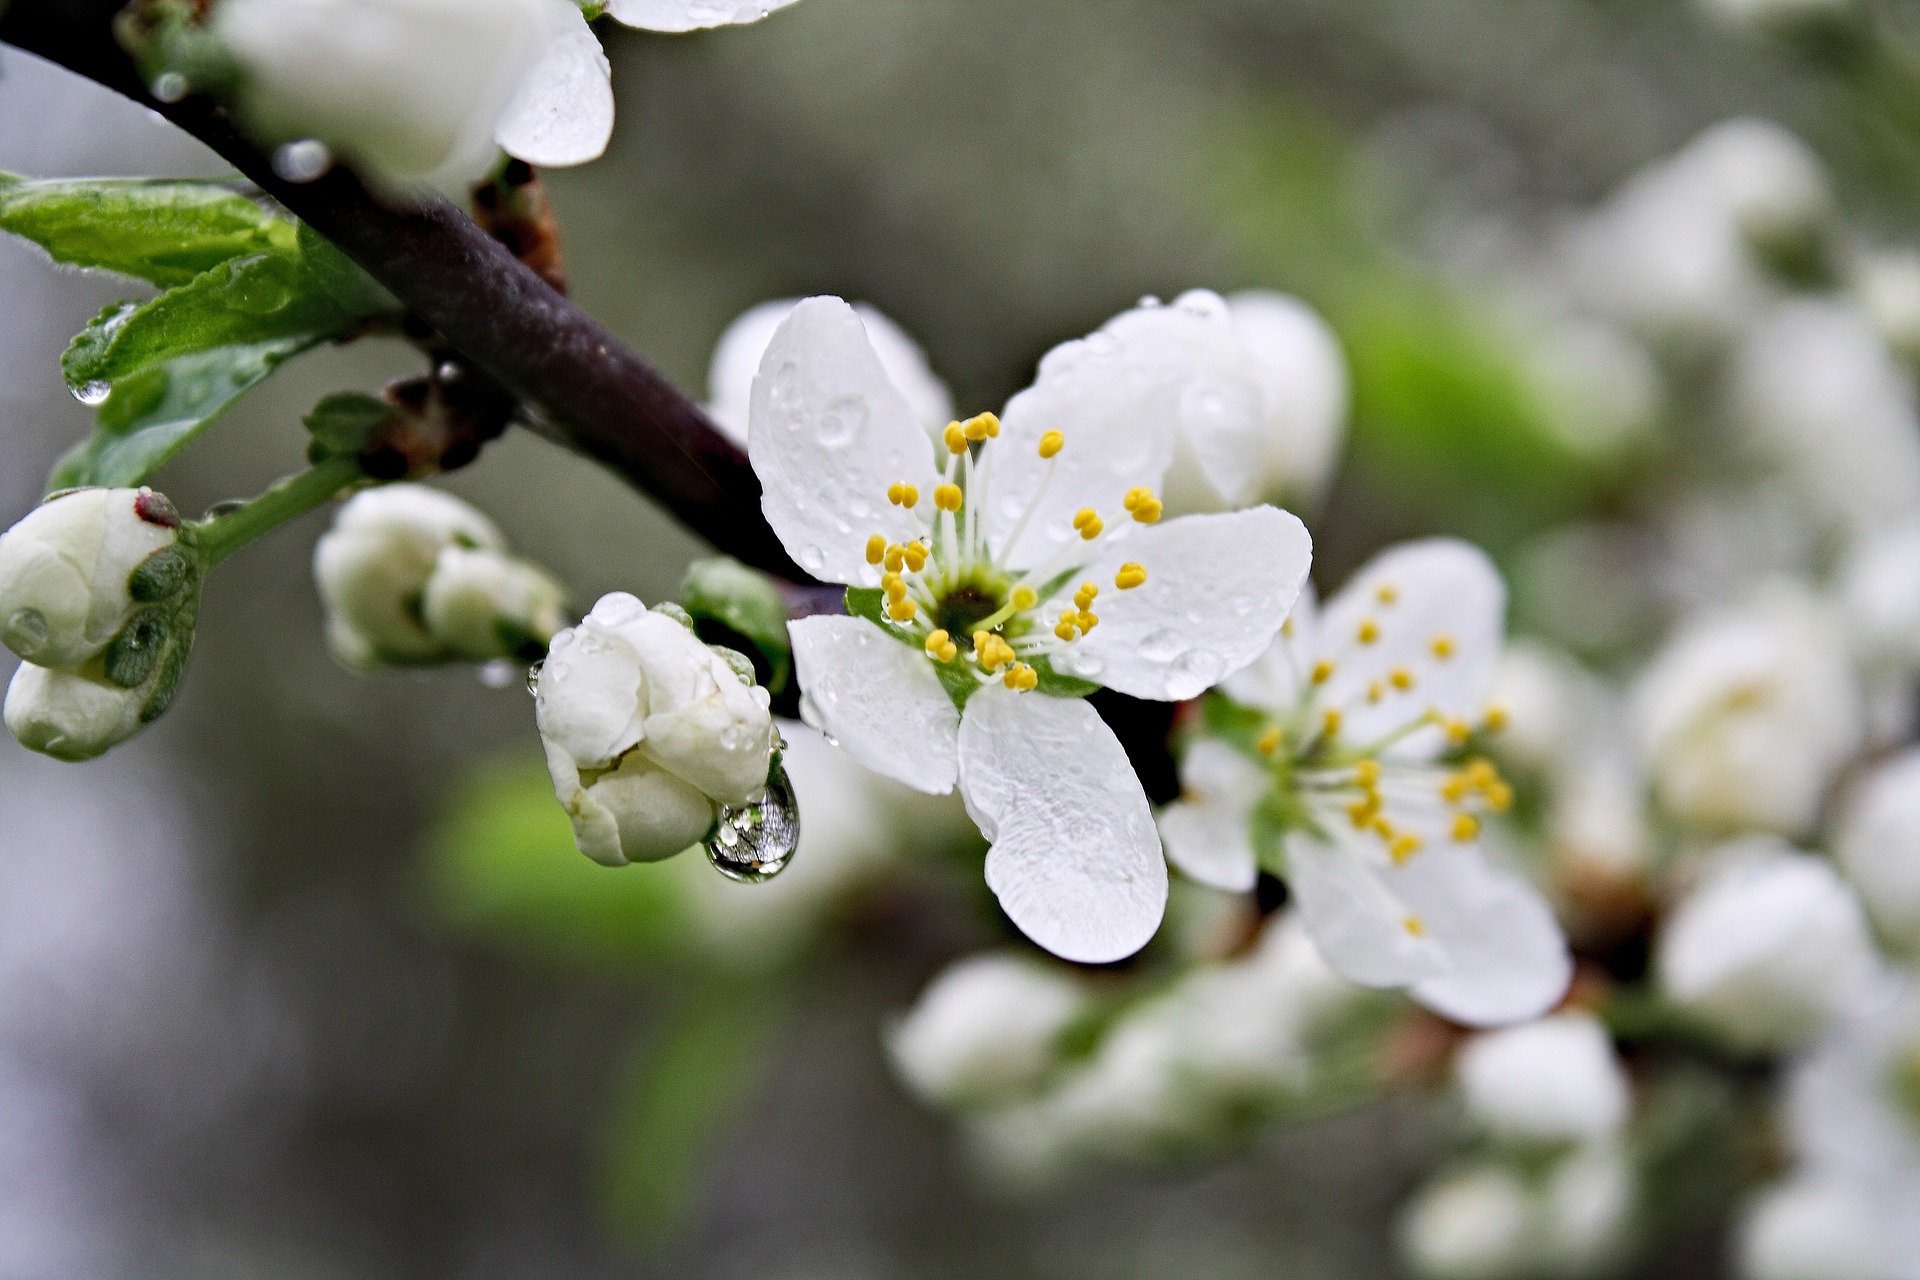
{"type": "Point", "coordinates": [98, 594]}
{"type": "Point", "coordinates": [411, 575]}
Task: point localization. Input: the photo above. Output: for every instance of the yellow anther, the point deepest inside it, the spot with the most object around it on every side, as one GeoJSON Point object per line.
{"type": "Point", "coordinates": [947, 497]}
{"type": "Point", "coordinates": [1402, 678]}
{"type": "Point", "coordinates": [1064, 629]}
{"type": "Point", "coordinates": [1130, 576]}
{"type": "Point", "coordinates": [1369, 632]}
{"type": "Point", "coordinates": [1458, 731]}
{"type": "Point", "coordinates": [1051, 443]}
{"type": "Point", "coordinates": [992, 650]}
{"type": "Point", "coordinates": [956, 438]}
{"type": "Point", "coordinates": [1330, 722]}
{"type": "Point", "coordinates": [1087, 521]}
{"type": "Point", "coordinates": [902, 495]}
{"type": "Point", "coordinates": [902, 610]}
{"type": "Point", "coordinates": [1322, 671]}
{"type": "Point", "coordinates": [1442, 647]}
{"type": "Point", "coordinates": [1404, 846]}
{"type": "Point", "coordinates": [1499, 797]}
{"type": "Point", "coordinates": [1383, 828]}
{"type": "Point", "coordinates": [896, 559]}
{"type": "Point", "coordinates": [1414, 926]}
{"type": "Point", "coordinates": [1087, 621]}
{"type": "Point", "coordinates": [982, 426]}
{"type": "Point", "coordinates": [1374, 691]}
{"type": "Point", "coordinates": [1496, 718]}
{"type": "Point", "coordinates": [894, 587]}
{"type": "Point", "coordinates": [1362, 813]}
{"type": "Point", "coordinates": [1367, 773]}
{"type": "Point", "coordinates": [940, 646]}
{"type": "Point", "coordinates": [1021, 677]}
{"type": "Point", "coordinates": [1085, 596]}
{"type": "Point", "coordinates": [1142, 505]}
{"type": "Point", "coordinates": [1286, 628]}
{"type": "Point", "coordinates": [1025, 597]}
{"type": "Point", "coordinates": [915, 554]}
{"type": "Point", "coordinates": [876, 549]}
{"type": "Point", "coordinates": [1387, 593]}
{"type": "Point", "coordinates": [1481, 773]}
{"type": "Point", "coordinates": [1269, 742]}
{"type": "Point", "coordinates": [1455, 788]}
{"type": "Point", "coordinates": [1465, 827]}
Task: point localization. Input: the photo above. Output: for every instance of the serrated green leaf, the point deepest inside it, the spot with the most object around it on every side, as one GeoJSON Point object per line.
{"type": "Point", "coordinates": [151, 416]}
{"type": "Point", "coordinates": [166, 232]}
{"type": "Point", "coordinates": [343, 423]}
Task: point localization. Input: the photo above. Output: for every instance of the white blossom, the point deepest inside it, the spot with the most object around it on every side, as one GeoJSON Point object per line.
{"type": "Point", "coordinates": [1554, 1080]}
{"type": "Point", "coordinates": [1747, 714]}
{"type": "Point", "coordinates": [70, 714]}
{"type": "Point", "coordinates": [1585, 1210]}
{"type": "Point", "coordinates": [1811, 1228]}
{"type": "Point", "coordinates": [690, 15]}
{"type": "Point", "coordinates": [1877, 843]}
{"type": "Point", "coordinates": [1887, 286]}
{"type": "Point", "coordinates": [1476, 1224]}
{"type": "Point", "coordinates": [1360, 701]}
{"type": "Point", "coordinates": [411, 574]}
{"type": "Point", "coordinates": [1880, 600]}
{"type": "Point", "coordinates": [64, 571]}
{"type": "Point", "coordinates": [989, 559]}
{"type": "Point", "coordinates": [1769, 949]}
{"type": "Point", "coordinates": [1777, 15]}
{"type": "Point", "coordinates": [646, 731]}
{"type": "Point", "coordinates": [988, 1027]}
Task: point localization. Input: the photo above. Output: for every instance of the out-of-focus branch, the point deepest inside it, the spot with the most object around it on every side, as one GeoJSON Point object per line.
{"type": "Point", "coordinates": [589, 389]}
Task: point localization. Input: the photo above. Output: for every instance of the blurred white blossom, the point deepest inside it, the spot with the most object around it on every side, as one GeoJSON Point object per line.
{"type": "Point", "coordinates": [986, 1029]}
{"type": "Point", "coordinates": [1475, 1224]}
{"type": "Point", "coordinates": [1877, 843]}
{"type": "Point", "coordinates": [1811, 1229]}
{"type": "Point", "coordinates": [1554, 1080]}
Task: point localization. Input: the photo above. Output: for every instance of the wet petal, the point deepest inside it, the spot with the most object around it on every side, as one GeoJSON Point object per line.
{"type": "Point", "coordinates": [1276, 681]}
{"type": "Point", "coordinates": [562, 113]}
{"type": "Point", "coordinates": [690, 15]}
{"type": "Point", "coordinates": [1217, 590]}
{"type": "Point", "coordinates": [1507, 958]}
{"type": "Point", "coordinates": [1206, 830]}
{"type": "Point", "coordinates": [1367, 934]}
{"type": "Point", "coordinates": [879, 699]}
{"type": "Point", "coordinates": [828, 433]}
{"type": "Point", "coordinates": [1075, 860]}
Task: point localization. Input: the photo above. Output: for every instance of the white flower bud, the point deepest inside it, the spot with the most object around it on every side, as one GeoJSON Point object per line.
{"type": "Point", "coordinates": [1769, 948]}
{"type": "Point", "coordinates": [410, 89]}
{"type": "Point", "coordinates": [1747, 714]}
{"type": "Point", "coordinates": [1812, 1229]}
{"type": "Point", "coordinates": [1878, 845]}
{"type": "Point", "coordinates": [1586, 1210]}
{"type": "Point", "coordinates": [1887, 286]}
{"type": "Point", "coordinates": [646, 728]}
{"type": "Point", "coordinates": [64, 571]}
{"type": "Point", "coordinates": [480, 605]}
{"type": "Point", "coordinates": [68, 715]}
{"type": "Point", "coordinates": [1555, 1080]}
{"type": "Point", "coordinates": [1473, 1225]}
{"type": "Point", "coordinates": [372, 569]}
{"type": "Point", "coordinates": [1304, 372]}
{"type": "Point", "coordinates": [986, 1029]}
{"type": "Point", "coordinates": [1880, 597]}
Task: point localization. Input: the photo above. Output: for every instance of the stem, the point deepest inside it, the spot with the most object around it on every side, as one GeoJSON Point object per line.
{"type": "Point", "coordinates": [294, 496]}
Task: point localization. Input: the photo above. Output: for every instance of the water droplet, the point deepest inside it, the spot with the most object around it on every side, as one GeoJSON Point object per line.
{"type": "Point", "coordinates": [302, 161]}
{"type": "Point", "coordinates": [859, 508]}
{"type": "Point", "coordinates": [755, 841]}
{"type": "Point", "coordinates": [1199, 668]}
{"type": "Point", "coordinates": [497, 674]}
{"type": "Point", "coordinates": [92, 393]}
{"type": "Point", "coordinates": [1102, 344]}
{"type": "Point", "coordinates": [533, 676]}
{"type": "Point", "coordinates": [840, 422]}
{"type": "Point", "coordinates": [1085, 665]}
{"type": "Point", "coordinates": [616, 609]}
{"type": "Point", "coordinates": [811, 559]}
{"type": "Point", "coordinates": [25, 632]}
{"type": "Point", "coordinates": [1163, 645]}
{"type": "Point", "coordinates": [169, 86]}
{"type": "Point", "coordinates": [264, 287]}
{"type": "Point", "coordinates": [226, 508]}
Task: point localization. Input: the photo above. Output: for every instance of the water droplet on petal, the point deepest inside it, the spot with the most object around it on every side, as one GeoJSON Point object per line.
{"type": "Point", "coordinates": [755, 841]}
{"type": "Point", "coordinates": [25, 631]}
{"type": "Point", "coordinates": [92, 393]}
{"type": "Point", "coordinates": [533, 676]}
{"type": "Point", "coordinates": [811, 559]}
{"type": "Point", "coordinates": [841, 422]}
{"type": "Point", "coordinates": [1085, 665]}
{"type": "Point", "coordinates": [1163, 645]}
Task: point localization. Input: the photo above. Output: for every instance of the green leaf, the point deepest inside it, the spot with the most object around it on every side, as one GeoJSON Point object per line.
{"type": "Point", "coordinates": [342, 423]}
{"type": "Point", "coordinates": [1058, 685]}
{"type": "Point", "coordinates": [164, 232]}
{"type": "Point", "coordinates": [151, 416]}
{"type": "Point", "coordinates": [742, 603]}
{"type": "Point", "coordinates": [868, 603]}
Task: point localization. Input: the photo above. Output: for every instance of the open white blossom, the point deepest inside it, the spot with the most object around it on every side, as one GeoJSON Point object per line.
{"type": "Point", "coordinates": [647, 731]}
{"type": "Point", "coordinates": [64, 571]}
{"type": "Point", "coordinates": [1811, 1228]}
{"type": "Point", "coordinates": [1555, 1080]}
{"type": "Point", "coordinates": [411, 574]}
{"type": "Point", "coordinates": [982, 568]}
{"type": "Point", "coordinates": [1356, 705]}
{"type": "Point", "coordinates": [1769, 949]}
{"type": "Point", "coordinates": [987, 1028]}
{"type": "Point", "coordinates": [1747, 714]}
{"type": "Point", "coordinates": [1877, 843]}
{"type": "Point", "coordinates": [1475, 1224]}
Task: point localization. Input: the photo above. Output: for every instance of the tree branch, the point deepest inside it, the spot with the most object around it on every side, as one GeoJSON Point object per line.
{"type": "Point", "coordinates": [598, 395]}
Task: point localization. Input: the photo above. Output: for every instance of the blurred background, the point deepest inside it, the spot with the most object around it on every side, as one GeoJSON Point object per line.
{"type": "Point", "coordinates": [290, 986]}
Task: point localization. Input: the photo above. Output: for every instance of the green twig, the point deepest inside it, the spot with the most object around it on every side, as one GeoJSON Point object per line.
{"type": "Point", "coordinates": [294, 496]}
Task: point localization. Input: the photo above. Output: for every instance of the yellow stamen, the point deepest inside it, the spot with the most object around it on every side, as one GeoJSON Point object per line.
{"type": "Point", "coordinates": [1021, 677]}
{"type": "Point", "coordinates": [876, 549]}
{"type": "Point", "coordinates": [1404, 846]}
{"type": "Point", "coordinates": [1025, 597]}
{"type": "Point", "coordinates": [956, 438]}
{"type": "Point", "coordinates": [1322, 671]}
{"type": "Point", "coordinates": [1374, 691]}
{"type": "Point", "coordinates": [902, 495]}
{"type": "Point", "coordinates": [1402, 678]}
{"type": "Point", "coordinates": [1495, 719]}
{"type": "Point", "coordinates": [1387, 593]}
{"type": "Point", "coordinates": [1142, 505]}
{"type": "Point", "coordinates": [992, 650]}
{"type": "Point", "coordinates": [896, 559]}
{"type": "Point", "coordinates": [1087, 521]}
{"type": "Point", "coordinates": [902, 610]}
{"type": "Point", "coordinates": [1362, 813]}
{"type": "Point", "coordinates": [1481, 773]}
{"type": "Point", "coordinates": [1499, 797]}
{"type": "Point", "coordinates": [1084, 597]}
{"type": "Point", "coordinates": [1051, 443]}
{"type": "Point", "coordinates": [1130, 576]}
{"type": "Point", "coordinates": [1454, 789]}
{"type": "Point", "coordinates": [1369, 631]}
{"type": "Point", "coordinates": [1465, 827]}
{"type": "Point", "coordinates": [1269, 742]}
{"type": "Point", "coordinates": [1367, 773]}
{"type": "Point", "coordinates": [1443, 647]}
{"type": "Point", "coordinates": [1087, 621]}
{"type": "Point", "coordinates": [1383, 828]}
{"type": "Point", "coordinates": [981, 426]}
{"type": "Point", "coordinates": [940, 646]}
{"type": "Point", "coordinates": [1458, 731]}
{"type": "Point", "coordinates": [1330, 722]}
{"type": "Point", "coordinates": [1414, 925]}
{"type": "Point", "coordinates": [894, 587]}
{"type": "Point", "coordinates": [915, 554]}
{"type": "Point", "coordinates": [1064, 629]}
{"type": "Point", "coordinates": [947, 497]}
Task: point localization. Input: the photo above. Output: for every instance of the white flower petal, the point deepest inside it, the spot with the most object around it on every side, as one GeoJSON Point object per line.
{"type": "Point", "coordinates": [589, 696]}
{"type": "Point", "coordinates": [562, 113]}
{"type": "Point", "coordinates": [1276, 681]}
{"type": "Point", "coordinates": [1367, 934]}
{"type": "Point", "coordinates": [1507, 958]}
{"type": "Point", "coordinates": [1417, 600]}
{"type": "Point", "coordinates": [690, 15]}
{"type": "Point", "coordinates": [1075, 860]}
{"type": "Point", "coordinates": [1299, 360]}
{"type": "Point", "coordinates": [1206, 830]}
{"type": "Point", "coordinates": [1217, 590]}
{"type": "Point", "coordinates": [828, 434]}
{"type": "Point", "coordinates": [879, 699]}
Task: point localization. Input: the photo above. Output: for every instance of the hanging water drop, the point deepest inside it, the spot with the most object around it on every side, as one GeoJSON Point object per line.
{"type": "Point", "coordinates": [533, 676]}
{"type": "Point", "coordinates": [169, 86]}
{"type": "Point", "coordinates": [755, 841]}
{"type": "Point", "coordinates": [92, 393]}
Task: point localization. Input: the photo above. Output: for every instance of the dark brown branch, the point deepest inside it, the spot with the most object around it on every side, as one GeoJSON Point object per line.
{"type": "Point", "coordinates": [599, 395]}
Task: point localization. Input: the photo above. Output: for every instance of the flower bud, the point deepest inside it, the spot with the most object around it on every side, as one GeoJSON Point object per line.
{"type": "Point", "coordinates": [1878, 846]}
{"type": "Point", "coordinates": [64, 571]}
{"type": "Point", "coordinates": [1555, 1080]}
{"type": "Point", "coordinates": [480, 605]}
{"type": "Point", "coordinates": [1472, 1225]}
{"type": "Point", "coordinates": [1769, 949]}
{"type": "Point", "coordinates": [68, 715]}
{"type": "Point", "coordinates": [1812, 1229]}
{"type": "Point", "coordinates": [373, 565]}
{"type": "Point", "coordinates": [987, 1028]}
{"type": "Point", "coordinates": [646, 730]}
